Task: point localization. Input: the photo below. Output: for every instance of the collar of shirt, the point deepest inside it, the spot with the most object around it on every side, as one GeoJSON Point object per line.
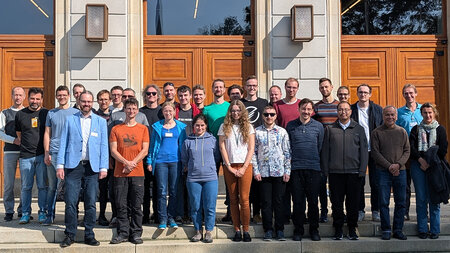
{"type": "Point", "coordinates": [344, 126]}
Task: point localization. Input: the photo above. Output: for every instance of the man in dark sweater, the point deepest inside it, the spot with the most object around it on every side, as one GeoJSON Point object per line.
{"type": "Point", "coordinates": [152, 111]}
{"type": "Point", "coordinates": [30, 128]}
{"type": "Point", "coordinates": [306, 137]}
{"type": "Point", "coordinates": [390, 150]}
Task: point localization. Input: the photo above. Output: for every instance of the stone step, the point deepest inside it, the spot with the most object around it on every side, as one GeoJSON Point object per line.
{"type": "Point", "coordinates": [365, 244]}
{"type": "Point", "coordinates": [35, 233]}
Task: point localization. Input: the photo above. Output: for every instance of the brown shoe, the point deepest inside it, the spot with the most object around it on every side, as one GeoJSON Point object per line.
{"type": "Point", "coordinates": [208, 237]}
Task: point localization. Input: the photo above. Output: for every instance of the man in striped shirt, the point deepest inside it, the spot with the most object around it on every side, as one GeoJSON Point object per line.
{"type": "Point", "coordinates": [326, 113]}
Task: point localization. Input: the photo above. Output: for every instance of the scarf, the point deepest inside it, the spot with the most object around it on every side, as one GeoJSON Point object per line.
{"type": "Point", "coordinates": [425, 144]}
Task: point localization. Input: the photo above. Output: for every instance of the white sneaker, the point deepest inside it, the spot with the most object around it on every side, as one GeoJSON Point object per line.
{"type": "Point", "coordinates": [376, 216]}
{"type": "Point", "coordinates": [361, 215]}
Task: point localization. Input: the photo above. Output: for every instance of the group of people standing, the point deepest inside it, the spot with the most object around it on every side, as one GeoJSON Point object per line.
{"type": "Point", "coordinates": [270, 152]}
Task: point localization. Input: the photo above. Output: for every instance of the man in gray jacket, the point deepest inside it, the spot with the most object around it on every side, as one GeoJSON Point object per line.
{"type": "Point", "coordinates": [344, 160]}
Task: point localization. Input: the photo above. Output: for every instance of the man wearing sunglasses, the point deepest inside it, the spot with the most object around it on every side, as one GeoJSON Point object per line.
{"type": "Point", "coordinates": [272, 168]}
{"type": "Point", "coordinates": [153, 112]}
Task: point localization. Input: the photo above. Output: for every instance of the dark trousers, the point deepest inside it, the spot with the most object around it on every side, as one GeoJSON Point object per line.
{"type": "Point", "coordinates": [305, 183]}
{"type": "Point", "coordinates": [398, 186]}
{"type": "Point", "coordinates": [271, 191]}
{"type": "Point", "coordinates": [150, 191]}
{"type": "Point", "coordinates": [323, 196]}
{"type": "Point", "coordinates": [73, 178]}
{"type": "Point", "coordinates": [344, 187]}
{"type": "Point", "coordinates": [287, 202]}
{"type": "Point", "coordinates": [374, 188]}
{"type": "Point", "coordinates": [408, 187]}
{"type": "Point", "coordinates": [129, 193]}
{"type": "Point", "coordinates": [255, 199]}
{"type": "Point", "coordinates": [106, 188]}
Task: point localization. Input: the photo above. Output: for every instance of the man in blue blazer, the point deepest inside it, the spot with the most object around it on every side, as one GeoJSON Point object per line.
{"type": "Point", "coordinates": [83, 153]}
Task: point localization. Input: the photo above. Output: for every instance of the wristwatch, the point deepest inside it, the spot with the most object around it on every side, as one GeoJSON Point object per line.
{"type": "Point", "coordinates": [228, 164]}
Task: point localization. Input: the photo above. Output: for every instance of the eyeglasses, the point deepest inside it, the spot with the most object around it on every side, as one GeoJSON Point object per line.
{"type": "Point", "coordinates": [271, 114]}
{"type": "Point", "coordinates": [344, 110]}
{"type": "Point", "coordinates": [153, 93]}
{"type": "Point", "coordinates": [167, 84]}
{"type": "Point", "coordinates": [127, 96]}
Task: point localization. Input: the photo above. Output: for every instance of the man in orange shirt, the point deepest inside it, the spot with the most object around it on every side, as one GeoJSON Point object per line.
{"type": "Point", "coordinates": [129, 145]}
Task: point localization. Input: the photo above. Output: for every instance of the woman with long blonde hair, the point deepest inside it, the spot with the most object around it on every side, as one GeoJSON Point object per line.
{"type": "Point", "coordinates": [237, 144]}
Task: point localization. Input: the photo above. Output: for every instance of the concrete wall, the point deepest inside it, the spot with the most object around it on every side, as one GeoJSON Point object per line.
{"type": "Point", "coordinates": [307, 61]}
{"type": "Point", "coordinates": [99, 65]}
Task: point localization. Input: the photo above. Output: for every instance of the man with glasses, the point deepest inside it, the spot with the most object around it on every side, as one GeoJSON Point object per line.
{"type": "Point", "coordinates": [343, 94]}
{"type": "Point", "coordinates": [272, 168]}
{"type": "Point", "coordinates": [409, 116]}
{"type": "Point", "coordinates": [344, 160]}
{"type": "Point", "coordinates": [255, 107]}
{"type": "Point", "coordinates": [116, 96]}
{"type": "Point", "coordinates": [370, 116]}
{"type": "Point", "coordinates": [83, 154]}
{"type": "Point", "coordinates": [11, 151]}
{"type": "Point", "coordinates": [153, 112]}
{"type": "Point", "coordinates": [52, 136]}
{"type": "Point", "coordinates": [169, 93]}
{"type": "Point", "coordinates": [235, 91]}
{"type": "Point", "coordinates": [306, 137]}
{"type": "Point", "coordinates": [326, 113]}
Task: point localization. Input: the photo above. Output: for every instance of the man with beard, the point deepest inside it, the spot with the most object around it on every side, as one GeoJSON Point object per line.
{"type": "Point", "coordinates": [169, 93]}
{"type": "Point", "coordinates": [11, 151]}
{"type": "Point", "coordinates": [30, 128]}
{"type": "Point", "coordinates": [86, 159]}
{"type": "Point", "coordinates": [53, 128]}
{"type": "Point", "coordinates": [198, 93]}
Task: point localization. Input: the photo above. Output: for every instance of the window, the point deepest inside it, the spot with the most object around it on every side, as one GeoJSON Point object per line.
{"type": "Point", "coordinates": [26, 17]}
{"type": "Point", "coordinates": [391, 17]}
{"type": "Point", "coordinates": [198, 17]}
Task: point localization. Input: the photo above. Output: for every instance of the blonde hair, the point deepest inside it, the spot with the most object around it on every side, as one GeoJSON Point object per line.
{"type": "Point", "coordinates": [244, 123]}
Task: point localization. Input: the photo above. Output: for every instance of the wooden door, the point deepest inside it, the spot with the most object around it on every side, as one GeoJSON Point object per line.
{"type": "Point", "coordinates": [387, 63]}
{"type": "Point", "coordinates": [26, 61]}
{"type": "Point", "coordinates": [198, 59]}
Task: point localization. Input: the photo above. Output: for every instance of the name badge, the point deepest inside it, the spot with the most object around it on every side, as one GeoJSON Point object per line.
{"type": "Point", "coordinates": [170, 135]}
{"type": "Point", "coordinates": [94, 134]}
{"type": "Point", "coordinates": [412, 124]}
{"type": "Point", "coordinates": [34, 122]}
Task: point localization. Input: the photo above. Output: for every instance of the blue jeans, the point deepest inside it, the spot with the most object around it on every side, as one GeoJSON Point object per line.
{"type": "Point", "coordinates": [423, 201]}
{"type": "Point", "coordinates": [29, 167]}
{"type": "Point", "coordinates": [167, 179]}
{"type": "Point", "coordinates": [9, 169]}
{"type": "Point", "coordinates": [398, 184]}
{"type": "Point", "coordinates": [203, 198]}
{"type": "Point", "coordinates": [52, 184]}
{"type": "Point", "coordinates": [73, 185]}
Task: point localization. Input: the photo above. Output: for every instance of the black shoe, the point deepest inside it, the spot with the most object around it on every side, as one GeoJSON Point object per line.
{"type": "Point", "coordinates": [400, 236]}
{"type": "Point", "coordinates": [407, 217]}
{"type": "Point", "coordinates": [118, 239]}
{"type": "Point", "coordinates": [352, 235]}
{"type": "Point", "coordinates": [434, 236]}
{"type": "Point", "coordinates": [247, 237]}
{"type": "Point", "coordinates": [8, 217]}
{"type": "Point", "coordinates": [66, 242]}
{"type": "Point", "coordinates": [323, 218]}
{"type": "Point", "coordinates": [91, 241]}
{"type": "Point", "coordinates": [102, 221]}
{"type": "Point", "coordinates": [306, 221]}
{"type": "Point", "coordinates": [386, 235]}
{"type": "Point", "coordinates": [297, 237]}
{"type": "Point", "coordinates": [423, 235]}
{"type": "Point", "coordinates": [136, 239]}
{"type": "Point", "coordinates": [315, 236]}
{"type": "Point", "coordinates": [338, 234]}
{"type": "Point", "coordinates": [237, 236]}
{"type": "Point", "coordinates": [268, 235]}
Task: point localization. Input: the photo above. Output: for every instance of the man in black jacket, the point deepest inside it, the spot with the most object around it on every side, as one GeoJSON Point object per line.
{"type": "Point", "coordinates": [370, 116]}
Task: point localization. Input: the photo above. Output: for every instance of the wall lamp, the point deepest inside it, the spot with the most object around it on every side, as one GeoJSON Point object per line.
{"type": "Point", "coordinates": [96, 22]}
{"type": "Point", "coordinates": [302, 27]}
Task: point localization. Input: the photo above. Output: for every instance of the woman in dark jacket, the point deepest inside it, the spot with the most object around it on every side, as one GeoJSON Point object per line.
{"type": "Point", "coordinates": [424, 136]}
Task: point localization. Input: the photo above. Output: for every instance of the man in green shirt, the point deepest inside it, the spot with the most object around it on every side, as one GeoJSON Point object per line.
{"type": "Point", "coordinates": [216, 111]}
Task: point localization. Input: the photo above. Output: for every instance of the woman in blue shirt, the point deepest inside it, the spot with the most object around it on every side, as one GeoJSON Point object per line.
{"type": "Point", "coordinates": [166, 141]}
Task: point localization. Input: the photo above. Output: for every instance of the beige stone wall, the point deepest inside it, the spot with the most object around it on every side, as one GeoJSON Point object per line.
{"type": "Point", "coordinates": [99, 65]}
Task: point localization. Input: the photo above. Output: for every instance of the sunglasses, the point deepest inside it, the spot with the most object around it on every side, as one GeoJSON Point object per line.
{"type": "Point", "coordinates": [127, 96]}
{"type": "Point", "coordinates": [271, 114]}
{"type": "Point", "coordinates": [153, 93]}
{"type": "Point", "coordinates": [167, 84]}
